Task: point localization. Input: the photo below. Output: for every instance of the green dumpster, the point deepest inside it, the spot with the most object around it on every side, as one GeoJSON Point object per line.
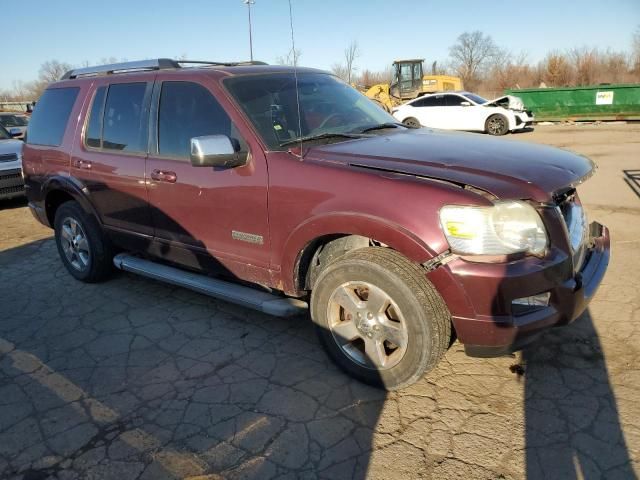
{"type": "Point", "coordinates": [601, 102]}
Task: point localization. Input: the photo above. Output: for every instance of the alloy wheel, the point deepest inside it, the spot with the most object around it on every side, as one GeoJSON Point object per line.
{"type": "Point", "coordinates": [367, 325]}
{"type": "Point", "coordinates": [75, 244]}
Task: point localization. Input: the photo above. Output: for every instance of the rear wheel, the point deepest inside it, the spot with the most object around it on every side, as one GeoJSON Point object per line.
{"type": "Point", "coordinates": [84, 249]}
{"type": "Point", "coordinates": [379, 318]}
{"type": "Point", "coordinates": [496, 125]}
{"type": "Point", "coordinates": [412, 122]}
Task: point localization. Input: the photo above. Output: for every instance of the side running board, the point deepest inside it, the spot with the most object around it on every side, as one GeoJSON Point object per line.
{"type": "Point", "coordinates": [227, 291]}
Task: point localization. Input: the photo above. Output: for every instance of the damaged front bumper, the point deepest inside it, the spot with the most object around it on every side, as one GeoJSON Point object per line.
{"type": "Point", "coordinates": [524, 119]}
{"type": "Point", "coordinates": [498, 328]}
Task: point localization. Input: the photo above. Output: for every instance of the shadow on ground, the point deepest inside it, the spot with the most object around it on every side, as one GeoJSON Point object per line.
{"type": "Point", "coordinates": [19, 202]}
{"type": "Point", "coordinates": [136, 379]}
{"type": "Point", "coordinates": [133, 379]}
{"type": "Point", "coordinates": [572, 426]}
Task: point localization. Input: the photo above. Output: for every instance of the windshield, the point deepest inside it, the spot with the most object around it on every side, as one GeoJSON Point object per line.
{"type": "Point", "coordinates": [13, 120]}
{"type": "Point", "coordinates": [4, 135]}
{"type": "Point", "coordinates": [327, 106]}
{"type": "Point", "coordinates": [475, 98]}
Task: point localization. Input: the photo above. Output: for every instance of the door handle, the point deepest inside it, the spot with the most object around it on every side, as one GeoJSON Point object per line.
{"type": "Point", "coordinates": [82, 164]}
{"type": "Point", "coordinates": [164, 176]}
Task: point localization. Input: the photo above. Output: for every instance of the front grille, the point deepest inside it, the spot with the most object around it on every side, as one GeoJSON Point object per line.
{"type": "Point", "coordinates": [11, 176]}
{"type": "Point", "coordinates": [11, 190]}
{"type": "Point", "coordinates": [8, 157]}
{"type": "Point", "coordinates": [11, 183]}
{"type": "Point", "coordinates": [577, 225]}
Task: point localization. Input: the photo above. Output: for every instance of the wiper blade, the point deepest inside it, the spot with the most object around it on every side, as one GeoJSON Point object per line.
{"type": "Point", "coordinates": [382, 126]}
{"type": "Point", "coordinates": [320, 137]}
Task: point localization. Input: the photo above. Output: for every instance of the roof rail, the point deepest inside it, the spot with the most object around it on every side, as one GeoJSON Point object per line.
{"type": "Point", "coordinates": [142, 65]}
{"type": "Point", "coordinates": [221, 64]}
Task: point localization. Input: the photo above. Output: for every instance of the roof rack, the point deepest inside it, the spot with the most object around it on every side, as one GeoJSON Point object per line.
{"type": "Point", "coordinates": [143, 65]}
{"type": "Point", "coordinates": [220, 64]}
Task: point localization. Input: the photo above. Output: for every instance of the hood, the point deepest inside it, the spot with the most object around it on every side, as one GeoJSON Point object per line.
{"type": "Point", "coordinates": [506, 101]}
{"type": "Point", "coordinates": [504, 168]}
{"type": "Point", "coordinates": [8, 147]}
{"type": "Point", "coordinates": [11, 146]}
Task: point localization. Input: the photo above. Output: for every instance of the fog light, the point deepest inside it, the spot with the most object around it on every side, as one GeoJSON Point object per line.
{"type": "Point", "coordinates": [540, 300]}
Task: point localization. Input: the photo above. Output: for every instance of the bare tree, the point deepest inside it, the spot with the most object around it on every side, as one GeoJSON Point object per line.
{"type": "Point", "coordinates": [556, 70]}
{"type": "Point", "coordinates": [635, 51]}
{"type": "Point", "coordinates": [340, 70]}
{"type": "Point", "coordinates": [471, 54]}
{"type": "Point", "coordinates": [347, 69]}
{"type": "Point", "coordinates": [291, 58]}
{"type": "Point", "coordinates": [52, 71]}
{"type": "Point", "coordinates": [585, 62]}
{"type": "Point", "coordinates": [369, 78]}
{"type": "Point", "coordinates": [614, 67]}
{"type": "Point", "coordinates": [351, 54]}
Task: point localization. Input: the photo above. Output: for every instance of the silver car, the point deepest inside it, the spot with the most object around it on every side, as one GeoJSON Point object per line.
{"type": "Point", "coordinates": [14, 122]}
{"type": "Point", "coordinates": [11, 181]}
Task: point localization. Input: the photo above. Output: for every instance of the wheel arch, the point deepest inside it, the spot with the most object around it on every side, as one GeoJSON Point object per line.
{"type": "Point", "coordinates": [342, 232]}
{"type": "Point", "coordinates": [58, 190]}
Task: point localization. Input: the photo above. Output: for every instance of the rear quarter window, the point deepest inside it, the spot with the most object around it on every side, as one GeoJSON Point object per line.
{"type": "Point", "coordinates": [51, 115]}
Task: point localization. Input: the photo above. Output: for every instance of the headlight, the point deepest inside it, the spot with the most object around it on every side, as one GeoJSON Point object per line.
{"type": "Point", "coordinates": [505, 227]}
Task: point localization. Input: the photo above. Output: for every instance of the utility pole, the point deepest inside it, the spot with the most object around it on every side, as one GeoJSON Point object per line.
{"type": "Point", "coordinates": [248, 3]}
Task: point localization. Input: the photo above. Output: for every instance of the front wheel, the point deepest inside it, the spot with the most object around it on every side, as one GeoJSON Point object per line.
{"type": "Point", "coordinates": [379, 318]}
{"type": "Point", "coordinates": [496, 125]}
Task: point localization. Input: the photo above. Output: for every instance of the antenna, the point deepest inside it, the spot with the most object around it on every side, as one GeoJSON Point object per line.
{"type": "Point", "coordinates": [295, 74]}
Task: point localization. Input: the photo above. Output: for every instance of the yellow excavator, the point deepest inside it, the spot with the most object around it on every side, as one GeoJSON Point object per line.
{"type": "Point", "coordinates": [409, 82]}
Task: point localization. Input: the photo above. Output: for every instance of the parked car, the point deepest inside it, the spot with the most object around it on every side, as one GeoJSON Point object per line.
{"type": "Point", "coordinates": [223, 176]}
{"type": "Point", "coordinates": [466, 111]}
{"type": "Point", "coordinates": [16, 123]}
{"type": "Point", "coordinates": [11, 183]}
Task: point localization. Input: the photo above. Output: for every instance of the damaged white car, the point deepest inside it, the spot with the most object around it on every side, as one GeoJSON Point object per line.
{"type": "Point", "coordinates": [465, 111]}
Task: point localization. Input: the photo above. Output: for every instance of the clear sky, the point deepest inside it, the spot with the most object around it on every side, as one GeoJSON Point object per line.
{"type": "Point", "coordinates": [74, 31]}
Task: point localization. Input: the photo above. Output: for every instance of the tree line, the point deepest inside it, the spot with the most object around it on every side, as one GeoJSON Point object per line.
{"type": "Point", "coordinates": [483, 65]}
{"type": "Point", "coordinates": [486, 67]}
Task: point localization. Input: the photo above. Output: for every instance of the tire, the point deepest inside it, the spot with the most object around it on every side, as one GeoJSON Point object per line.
{"type": "Point", "coordinates": [496, 125]}
{"type": "Point", "coordinates": [413, 314]}
{"type": "Point", "coordinates": [411, 122]}
{"type": "Point", "coordinates": [83, 248]}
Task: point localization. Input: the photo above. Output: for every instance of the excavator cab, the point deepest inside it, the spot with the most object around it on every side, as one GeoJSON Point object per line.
{"type": "Point", "coordinates": [407, 78]}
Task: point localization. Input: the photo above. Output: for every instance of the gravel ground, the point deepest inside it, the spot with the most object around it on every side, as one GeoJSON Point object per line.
{"type": "Point", "coordinates": [136, 379]}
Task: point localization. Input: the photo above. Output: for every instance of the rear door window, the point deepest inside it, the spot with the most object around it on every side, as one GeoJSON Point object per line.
{"type": "Point", "coordinates": [51, 115]}
{"type": "Point", "coordinates": [435, 101]}
{"type": "Point", "coordinates": [189, 110]}
{"type": "Point", "coordinates": [454, 100]}
{"type": "Point", "coordinates": [124, 120]}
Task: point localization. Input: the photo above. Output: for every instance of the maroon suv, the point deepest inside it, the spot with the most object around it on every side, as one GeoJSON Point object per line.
{"type": "Point", "coordinates": [285, 189]}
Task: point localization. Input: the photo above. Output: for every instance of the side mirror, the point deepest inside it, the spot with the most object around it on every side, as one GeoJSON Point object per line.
{"type": "Point", "coordinates": [465, 104]}
{"type": "Point", "coordinates": [15, 132]}
{"type": "Point", "coordinates": [216, 151]}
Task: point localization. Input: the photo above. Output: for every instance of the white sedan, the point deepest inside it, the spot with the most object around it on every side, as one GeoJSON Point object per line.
{"type": "Point", "coordinates": [465, 111]}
